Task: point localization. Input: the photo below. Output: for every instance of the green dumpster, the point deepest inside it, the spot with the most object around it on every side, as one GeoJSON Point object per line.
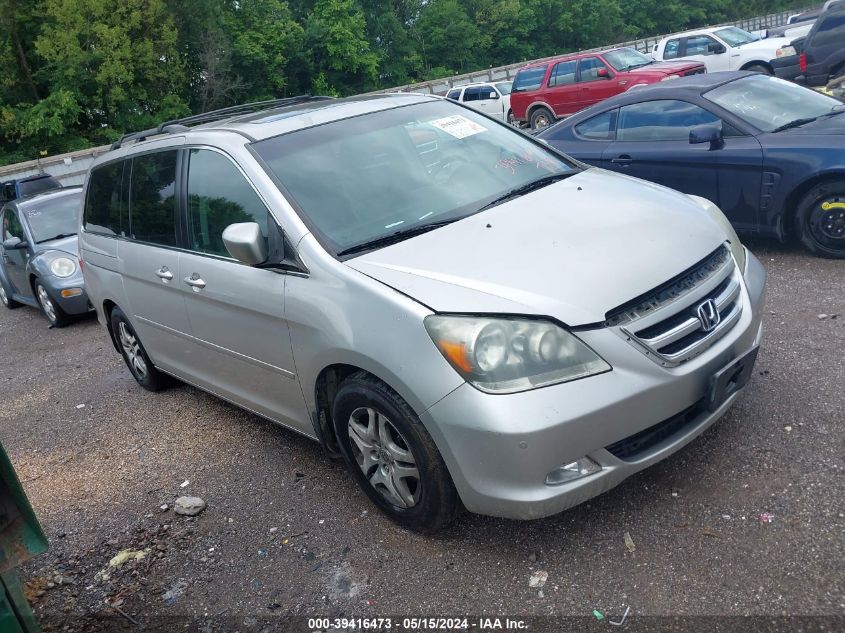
{"type": "Point", "coordinates": [20, 538]}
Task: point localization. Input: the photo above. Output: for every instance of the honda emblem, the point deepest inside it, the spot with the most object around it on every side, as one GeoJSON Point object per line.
{"type": "Point", "coordinates": [708, 314]}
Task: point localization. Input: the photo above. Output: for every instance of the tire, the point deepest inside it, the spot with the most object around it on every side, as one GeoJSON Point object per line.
{"type": "Point", "coordinates": [541, 118]}
{"type": "Point", "coordinates": [6, 300]}
{"type": "Point", "coordinates": [134, 354]}
{"type": "Point", "coordinates": [759, 68]}
{"type": "Point", "coordinates": [510, 118]}
{"type": "Point", "coordinates": [390, 439]}
{"type": "Point", "coordinates": [49, 308]}
{"type": "Point", "coordinates": [820, 219]}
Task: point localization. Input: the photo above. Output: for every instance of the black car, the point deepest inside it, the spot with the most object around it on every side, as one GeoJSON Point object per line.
{"type": "Point", "coordinates": [820, 55]}
{"type": "Point", "coordinates": [769, 153]}
{"type": "Point", "coordinates": [29, 186]}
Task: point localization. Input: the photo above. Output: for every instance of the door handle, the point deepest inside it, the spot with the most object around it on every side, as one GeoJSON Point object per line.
{"type": "Point", "coordinates": [624, 159]}
{"type": "Point", "coordinates": [164, 274]}
{"type": "Point", "coordinates": [195, 282]}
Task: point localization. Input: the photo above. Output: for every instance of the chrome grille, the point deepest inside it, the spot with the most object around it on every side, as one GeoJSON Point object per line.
{"type": "Point", "coordinates": [676, 322]}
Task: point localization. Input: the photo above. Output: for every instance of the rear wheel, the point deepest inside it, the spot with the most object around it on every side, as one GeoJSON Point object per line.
{"type": "Point", "coordinates": [135, 355]}
{"type": "Point", "coordinates": [55, 315]}
{"type": "Point", "coordinates": [541, 118]}
{"type": "Point", "coordinates": [820, 219]}
{"type": "Point", "coordinates": [391, 456]}
{"type": "Point", "coordinates": [6, 300]}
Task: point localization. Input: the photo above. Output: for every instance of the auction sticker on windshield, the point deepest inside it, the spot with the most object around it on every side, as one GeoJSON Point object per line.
{"type": "Point", "coordinates": [458, 126]}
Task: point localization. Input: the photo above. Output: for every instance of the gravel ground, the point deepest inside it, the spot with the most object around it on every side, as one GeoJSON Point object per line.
{"type": "Point", "coordinates": [287, 532]}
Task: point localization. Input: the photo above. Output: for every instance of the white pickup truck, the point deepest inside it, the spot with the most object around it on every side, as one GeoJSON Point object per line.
{"type": "Point", "coordinates": [721, 48]}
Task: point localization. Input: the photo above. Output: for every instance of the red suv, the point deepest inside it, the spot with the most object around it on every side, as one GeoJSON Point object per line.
{"type": "Point", "coordinates": [560, 87]}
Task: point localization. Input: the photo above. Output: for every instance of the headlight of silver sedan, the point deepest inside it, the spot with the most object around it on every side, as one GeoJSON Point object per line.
{"type": "Point", "coordinates": [63, 267]}
{"type": "Point", "coordinates": [507, 355]}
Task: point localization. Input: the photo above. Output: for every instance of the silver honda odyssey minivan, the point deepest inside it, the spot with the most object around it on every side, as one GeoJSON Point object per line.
{"type": "Point", "coordinates": [469, 318]}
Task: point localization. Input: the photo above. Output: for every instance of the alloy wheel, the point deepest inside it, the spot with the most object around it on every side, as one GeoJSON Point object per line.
{"type": "Point", "coordinates": [132, 348]}
{"type": "Point", "coordinates": [384, 456]}
{"type": "Point", "coordinates": [46, 304]}
{"type": "Point", "coordinates": [3, 296]}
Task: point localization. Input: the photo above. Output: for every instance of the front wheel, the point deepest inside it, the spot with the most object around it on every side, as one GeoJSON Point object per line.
{"type": "Point", "coordinates": [135, 355]}
{"type": "Point", "coordinates": [55, 315]}
{"type": "Point", "coordinates": [820, 219]}
{"type": "Point", "coordinates": [541, 118]}
{"type": "Point", "coordinates": [391, 456]}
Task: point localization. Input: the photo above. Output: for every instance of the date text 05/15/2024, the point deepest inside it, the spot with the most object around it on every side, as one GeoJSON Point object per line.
{"type": "Point", "coordinates": [401, 625]}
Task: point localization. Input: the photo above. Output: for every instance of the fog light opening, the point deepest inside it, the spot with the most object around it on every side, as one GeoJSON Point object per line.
{"type": "Point", "coordinates": [571, 471]}
{"type": "Point", "coordinates": [71, 292]}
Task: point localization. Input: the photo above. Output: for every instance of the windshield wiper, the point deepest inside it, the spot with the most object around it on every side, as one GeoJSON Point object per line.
{"type": "Point", "coordinates": [795, 123]}
{"type": "Point", "coordinates": [55, 237]}
{"type": "Point", "coordinates": [527, 188]}
{"type": "Point", "coordinates": [396, 236]}
{"type": "Point", "coordinates": [640, 65]}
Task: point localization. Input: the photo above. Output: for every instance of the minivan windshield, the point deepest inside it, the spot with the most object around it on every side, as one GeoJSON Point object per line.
{"type": "Point", "coordinates": [771, 104]}
{"type": "Point", "coordinates": [54, 217]}
{"type": "Point", "coordinates": [391, 174]}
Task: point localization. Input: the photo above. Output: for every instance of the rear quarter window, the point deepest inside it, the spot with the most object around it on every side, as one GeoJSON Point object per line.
{"type": "Point", "coordinates": [529, 78]}
{"type": "Point", "coordinates": [105, 207]}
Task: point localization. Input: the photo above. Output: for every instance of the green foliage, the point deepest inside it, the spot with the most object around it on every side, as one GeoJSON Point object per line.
{"type": "Point", "coordinates": [82, 72]}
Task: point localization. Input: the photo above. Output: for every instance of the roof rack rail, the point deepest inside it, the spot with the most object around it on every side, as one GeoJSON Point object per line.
{"type": "Point", "coordinates": [181, 125]}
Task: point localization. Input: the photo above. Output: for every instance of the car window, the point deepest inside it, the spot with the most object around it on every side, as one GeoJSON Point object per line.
{"type": "Point", "coordinates": [12, 226]}
{"type": "Point", "coordinates": [597, 128]}
{"type": "Point", "coordinates": [662, 120]}
{"type": "Point", "coordinates": [529, 78]}
{"type": "Point", "coordinates": [736, 36]}
{"type": "Point", "coordinates": [454, 94]}
{"type": "Point", "coordinates": [670, 51]}
{"type": "Point", "coordinates": [589, 69]}
{"type": "Point", "coordinates": [471, 94]}
{"type": "Point", "coordinates": [831, 30]}
{"type": "Point", "coordinates": [52, 217]}
{"type": "Point", "coordinates": [219, 195]}
{"type": "Point", "coordinates": [363, 178]}
{"type": "Point", "coordinates": [37, 185]}
{"type": "Point", "coordinates": [152, 210]}
{"type": "Point", "coordinates": [699, 45]}
{"type": "Point", "coordinates": [563, 74]}
{"type": "Point", "coordinates": [106, 210]}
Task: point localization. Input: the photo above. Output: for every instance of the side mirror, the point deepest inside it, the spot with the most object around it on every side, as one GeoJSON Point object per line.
{"type": "Point", "coordinates": [707, 133]}
{"type": "Point", "coordinates": [602, 72]}
{"type": "Point", "coordinates": [494, 95]}
{"type": "Point", "coordinates": [14, 243]}
{"type": "Point", "coordinates": [245, 243]}
{"type": "Point", "coordinates": [716, 48]}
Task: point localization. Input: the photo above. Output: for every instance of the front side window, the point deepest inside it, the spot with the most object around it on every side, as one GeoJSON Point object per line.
{"type": "Point", "coordinates": [529, 78]}
{"type": "Point", "coordinates": [369, 177]}
{"type": "Point", "coordinates": [153, 200]}
{"type": "Point", "coordinates": [672, 48]}
{"type": "Point", "coordinates": [12, 226]}
{"type": "Point", "coordinates": [768, 103]}
{"type": "Point", "coordinates": [54, 217]}
{"type": "Point", "coordinates": [597, 128]}
{"type": "Point", "coordinates": [589, 70]}
{"type": "Point", "coordinates": [563, 74]}
{"type": "Point", "coordinates": [218, 195]}
{"type": "Point", "coordinates": [701, 45]}
{"type": "Point", "coordinates": [106, 210]}
{"type": "Point", "coordinates": [663, 120]}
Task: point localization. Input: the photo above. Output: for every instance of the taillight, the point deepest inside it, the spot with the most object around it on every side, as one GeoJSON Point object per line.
{"type": "Point", "coordinates": [802, 62]}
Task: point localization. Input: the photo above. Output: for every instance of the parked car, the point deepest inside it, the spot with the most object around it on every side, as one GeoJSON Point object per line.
{"type": "Point", "coordinates": [40, 265]}
{"type": "Point", "coordinates": [493, 98]}
{"type": "Point", "coordinates": [381, 316]}
{"type": "Point", "coordinates": [820, 56]}
{"type": "Point", "coordinates": [545, 91]}
{"type": "Point", "coordinates": [29, 186]}
{"type": "Point", "coordinates": [722, 48]}
{"type": "Point", "coordinates": [767, 152]}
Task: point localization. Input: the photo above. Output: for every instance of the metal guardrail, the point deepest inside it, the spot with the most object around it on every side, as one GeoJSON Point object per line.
{"type": "Point", "coordinates": [71, 168]}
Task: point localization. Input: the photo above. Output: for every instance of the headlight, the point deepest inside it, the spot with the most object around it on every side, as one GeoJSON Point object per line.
{"type": "Point", "coordinates": [737, 248]}
{"type": "Point", "coordinates": [62, 267]}
{"type": "Point", "coordinates": [668, 77]}
{"type": "Point", "coordinates": [506, 355]}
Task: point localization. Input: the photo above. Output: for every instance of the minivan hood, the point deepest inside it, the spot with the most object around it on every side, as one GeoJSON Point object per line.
{"type": "Point", "coordinates": [572, 251]}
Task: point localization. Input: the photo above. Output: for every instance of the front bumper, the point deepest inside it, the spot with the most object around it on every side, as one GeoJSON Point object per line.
{"type": "Point", "coordinates": [78, 304]}
{"type": "Point", "coordinates": [499, 448]}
